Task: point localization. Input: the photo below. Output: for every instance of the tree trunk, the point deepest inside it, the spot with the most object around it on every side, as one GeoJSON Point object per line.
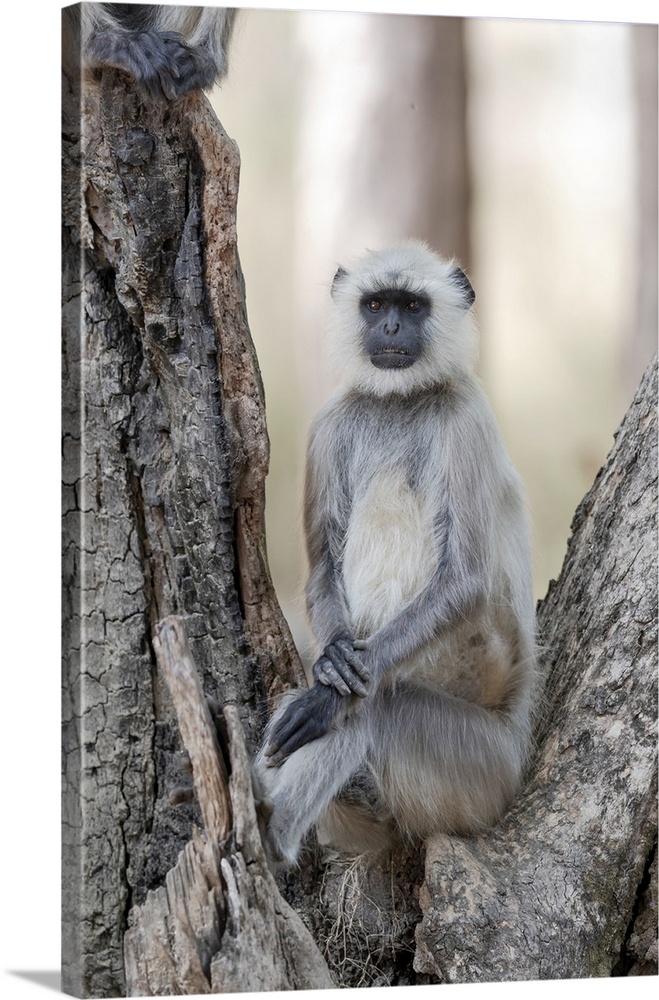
{"type": "Point", "coordinates": [164, 458]}
{"type": "Point", "coordinates": [401, 140]}
{"type": "Point", "coordinates": [165, 454]}
{"type": "Point", "coordinates": [641, 335]}
{"type": "Point", "coordinates": [564, 887]}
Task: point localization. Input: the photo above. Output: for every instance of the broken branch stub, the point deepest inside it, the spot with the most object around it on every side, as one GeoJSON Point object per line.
{"type": "Point", "coordinates": [196, 725]}
{"type": "Point", "coordinates": [219, 924]}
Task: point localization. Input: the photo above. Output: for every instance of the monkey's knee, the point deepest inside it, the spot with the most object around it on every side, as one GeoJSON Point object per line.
{"type": "Point", "coordinates": [281, 835]}
{"type": "Point", "coordinates": [303, 783]}
{"type": "Point", "coordinates": [263, 804]}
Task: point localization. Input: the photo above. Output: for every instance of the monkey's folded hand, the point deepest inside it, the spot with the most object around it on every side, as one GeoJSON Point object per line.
{"type": "Point", "coordinates": [306, 717]}
{"type": "Point", "coordinates": [340, 667]}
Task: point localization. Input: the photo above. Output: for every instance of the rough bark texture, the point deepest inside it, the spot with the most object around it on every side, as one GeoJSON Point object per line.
{"type": "Point", "coordinates": [219, 925]}
{"type": "Point", "coordinates": [164, 458]}
{"type": "Point", "coordinates": [562, 888]}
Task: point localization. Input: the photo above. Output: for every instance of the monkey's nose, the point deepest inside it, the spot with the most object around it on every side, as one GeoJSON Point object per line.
{"type": "Point", "coordinates": [391, 329]}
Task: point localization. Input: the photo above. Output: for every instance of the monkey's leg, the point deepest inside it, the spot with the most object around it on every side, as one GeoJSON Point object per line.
{"type": "Point", "coordinates": [302, 787]}
{"type": "Point", "coordinates": [443, 763]}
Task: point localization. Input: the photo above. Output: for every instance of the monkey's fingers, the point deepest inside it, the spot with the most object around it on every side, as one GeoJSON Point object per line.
{"type": "Point", "coordinates": [348, 650]}
{"type": "Point", "coordinates": [178, 64]}
{"type": "Point", "coordinates": [192, 70]}
{"type": "Point", "coordinates": [146, 55]}
{"type": "Point", "coordinates": [360, 643]}
{"type": "Point", "coordinates": [345, 671]}
{"type": "Point", "coordinates": [306, 718]}
{"type": "Point", "coordinates": [293, 720]}
{"type": "Point", "coordinates": [285, 743]}
{"type": "Point", "coordinates": [284, 729]}
{"type": "Point", "coordinates": [325, 673]}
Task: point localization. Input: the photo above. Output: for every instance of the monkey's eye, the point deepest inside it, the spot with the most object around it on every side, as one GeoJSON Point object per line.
{"type": "Point", "coordinates": [374, 305]}
{"type": "Point", "coordinates": [413, 306]}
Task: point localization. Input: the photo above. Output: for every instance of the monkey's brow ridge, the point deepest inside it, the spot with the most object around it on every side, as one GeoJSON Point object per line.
{"type": "Point", "coordinates": [392, 283]}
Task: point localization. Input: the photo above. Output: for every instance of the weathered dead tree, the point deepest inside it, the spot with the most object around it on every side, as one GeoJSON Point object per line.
{"type": "Point", "coordinates": [165, 455]}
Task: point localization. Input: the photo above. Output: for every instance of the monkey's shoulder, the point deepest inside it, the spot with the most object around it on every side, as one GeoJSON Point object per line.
{"type": "Point", "coordinates": [453, 419]}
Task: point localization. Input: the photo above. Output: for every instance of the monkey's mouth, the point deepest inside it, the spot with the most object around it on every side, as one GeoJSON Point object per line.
{"type": "Point", "coordinates": [392, 357]}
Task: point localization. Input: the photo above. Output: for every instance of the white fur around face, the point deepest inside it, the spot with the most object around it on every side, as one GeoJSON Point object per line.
{"type": "Point", "coordinates": [451, 343]}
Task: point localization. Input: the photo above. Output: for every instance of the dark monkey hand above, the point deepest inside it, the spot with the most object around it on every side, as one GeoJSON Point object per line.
{"type": "Point", "coordinates": [168, 50]}
{"type": "Point", "coordinates": [419, 592]}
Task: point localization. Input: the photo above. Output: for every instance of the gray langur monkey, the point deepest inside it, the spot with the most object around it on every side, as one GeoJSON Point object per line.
{"type": "Point", "coordinates": [169, 51]}
{"type": "Point", "coordinates": [419, 591]}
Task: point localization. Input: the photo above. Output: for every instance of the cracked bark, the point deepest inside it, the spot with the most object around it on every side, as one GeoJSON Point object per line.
{"type": "Point", "coordinates": [563, 887]}
{"type": "Point", "coordinates": [164, 458]}
{"type": "Point", "coordinates": [219, 924]}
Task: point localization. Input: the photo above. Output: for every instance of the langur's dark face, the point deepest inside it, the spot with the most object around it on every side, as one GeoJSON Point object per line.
{"type": "Point", "coordinates": [393, 324]}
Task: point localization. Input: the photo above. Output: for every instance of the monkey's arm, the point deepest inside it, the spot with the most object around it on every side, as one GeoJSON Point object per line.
{"type": "Point", "coordinates": [340, 676]}
{"type": "Point", "coordinates": [326, 514]}
{"type": "Point", "coordinates": [326, 510]}
{"type": "Point", "coordinates": [339, 673]}
{"type": "Point", "coordinates": [452, 593]}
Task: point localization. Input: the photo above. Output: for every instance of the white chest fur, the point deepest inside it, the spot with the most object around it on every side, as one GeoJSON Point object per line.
{"type": "Point", "coordinates": [390, 550]}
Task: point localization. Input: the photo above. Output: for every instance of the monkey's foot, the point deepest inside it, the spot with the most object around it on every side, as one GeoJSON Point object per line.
{"type": "Point", "coordinates": [264, 807]}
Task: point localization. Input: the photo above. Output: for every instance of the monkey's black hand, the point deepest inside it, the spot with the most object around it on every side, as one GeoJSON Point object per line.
{"type": "Point", "coordinates": [340, 667]}
{"type": "Point", "coordinates": [307, 717]}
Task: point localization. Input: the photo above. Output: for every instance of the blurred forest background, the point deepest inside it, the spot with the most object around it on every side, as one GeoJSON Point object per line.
{"type": "Point", "coordinates": [527, 149]}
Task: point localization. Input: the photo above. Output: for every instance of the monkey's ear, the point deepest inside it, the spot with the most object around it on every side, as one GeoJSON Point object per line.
{"type": "Point", "coordinates": [459, 278]}
{"type": "Point", "coordinates": [338, 278]}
